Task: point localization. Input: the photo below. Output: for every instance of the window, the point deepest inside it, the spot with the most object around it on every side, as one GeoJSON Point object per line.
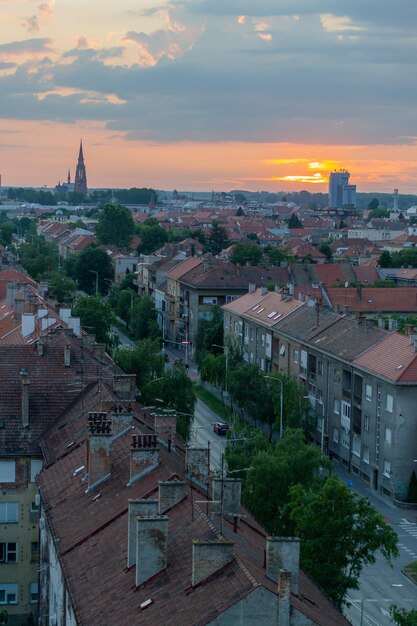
{"type": "Point", "coordinates": [336, 376]}
{"type": "Point", "coordinates": [335, 435]}
{"type": "Point", "coordinates": [303, 361]}
{"type": "Point", "coordinates": [8, 512]}
{"type": "Point", "coordinates": [368, 392]}
{"type": "Point", "coordinates": [296, 356]}
{"type": "Point", "coordinates": [33, 593]}
{"type": "Point", "coordinates": [356, 446]}
{"type": "Point", "coordinates": [365, 455]}
{"type": "Point", "coordinates": [209, 300]}
{"type": "Point", "coordinates": [8, 593]}
{"type": "Point", "coordinates": [366, 423]}
{"type": "Point", "coordinates": [35, 468]}
{"type": "Point", "coordinates": [231, 299]}
{"type": "Point", "coordinates": [388, 436]}
{"type": "Point", "coordinates": [34, 551]}
{"type": "Point", "coordinates": [346, 409]}
{"type": "Point", "coordinates": [262, 340]}
{"type": "Point", "coordinates": [345, 439]}
{"type": "Point", "coordinates": [282, 350]}
{"type": "Point", "coordinates": [320, 368]}
{"type": "Point", "coordinates": [387, 469]}
{"type": "Point", "coordinates": [389, 403]}
{"type": "Point", "coordinates": [8, 552]}
{"type": "Point", "coordinates": [8, 471]}
{"type": "Point", "coordinates": [319, 396]}
{"type": "Point", "coordinates": [336, 406]}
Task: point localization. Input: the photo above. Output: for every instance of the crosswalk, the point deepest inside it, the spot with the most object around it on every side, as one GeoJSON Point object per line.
{"type": "Point", "coordinates": [410, 528]}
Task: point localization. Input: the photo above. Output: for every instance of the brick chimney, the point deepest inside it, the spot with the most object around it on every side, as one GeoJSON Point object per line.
{"type": "Point", "coordinates": [151, 546]}
{"type": "Point", "coordinates": [122, 418]}
{"type": "Point", "coordinates": [228, 490]}
{"type": "Point", "coordinates": [99, 443]}
{"type": "Point", "coordinates": [165, 425]}
{"type": "Point", "coordinates": [98, 349]}
{"type": "Point", "coordinates": [19, 305]}
{"type": "Point", "coordinates": [284, 598]}
{"type": "Point", "coordinates": [170, 492]}
{"type": "Point", "coordinates": [12, 289]}
{"type": "Point", "coordinates": [198, 466]}
{"type": "Point", "coordinates": [124, 385]}
{"type": "Point", "coordinates": [67, 356]}
{"type": "Point", "coordinates": [209, 557]}
{"type": "Point", "coordinates": [137, 508]}
{"type": "Point", "coordinates": [24, 378]}
{"type": "Point", "coordinates": [144, 456]}
{"type": "Point", "coordinates": [283, 553]}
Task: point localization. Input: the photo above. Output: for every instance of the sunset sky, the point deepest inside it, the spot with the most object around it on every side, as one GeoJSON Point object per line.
{"type": "Point", "coordinates": [209, 94]}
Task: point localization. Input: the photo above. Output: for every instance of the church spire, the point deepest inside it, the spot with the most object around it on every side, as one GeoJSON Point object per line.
{"type": "Point", "coordinates": [80, 184]}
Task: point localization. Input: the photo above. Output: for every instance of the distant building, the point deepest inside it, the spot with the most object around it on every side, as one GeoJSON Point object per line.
{"type": "Point", "coordinates": [80, 185]}
{"type": "Point", "coordinates": [340, 192]}
{"type": "Point", "coordinates": [64, 188]}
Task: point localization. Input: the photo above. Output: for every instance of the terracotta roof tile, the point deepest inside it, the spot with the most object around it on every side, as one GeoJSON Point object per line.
{"type": "Point", "coordinates": [394, 359]}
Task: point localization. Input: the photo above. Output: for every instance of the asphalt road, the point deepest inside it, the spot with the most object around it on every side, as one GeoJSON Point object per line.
{"type": "Point", "coordinates": [202, 433]}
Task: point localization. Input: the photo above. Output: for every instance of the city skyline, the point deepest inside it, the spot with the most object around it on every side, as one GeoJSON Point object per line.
{"type": "Point", "coordinates": [205, 94]}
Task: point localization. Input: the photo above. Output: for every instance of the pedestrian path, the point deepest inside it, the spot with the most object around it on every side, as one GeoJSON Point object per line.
{"type": "Point", "coordinates": [410, 529]}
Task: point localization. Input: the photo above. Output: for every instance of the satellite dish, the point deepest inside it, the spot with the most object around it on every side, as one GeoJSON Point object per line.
{"type": "Point", "coordinates": [346, 284]}
{"type": "Point", "coordinates": [311, 303]}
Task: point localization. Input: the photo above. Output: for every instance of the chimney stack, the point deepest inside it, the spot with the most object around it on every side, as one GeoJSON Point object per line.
{"type": "Point", "coordinates": [284, 598]}
{"type": "Point", "coordinates": [124, 385]}
{"type": "Point", "coordinates": [226, 496]}
{"type": "Point", "coordinates": [12, 290]}
{"type": "Point", "coordinates": [137, 508]}
{"type": "Point", "coordinates": [151, 546]}
{"type": "Point", "coordinates": [19, 305]}
{"type": "Point", "coordinates": [283, 553]}
{"type": "Point", "coordinates": [165, 426]}
{"type": "Point", "coordinates": [170, 493]}
{"type": "Point", "coordinates": [209, 557]}
{"type": "Point", "coordinates": [99, 443]}
{"type": "Point", "coordinates": [198, 466]}
{"type": "Point", "coordinates": [144, 456]}
{"type": "Point", "coordinates": [40, 347]}
{"type": "Point", "coordinates": [67, 356]}
{"type": "Point", "coordinates": [122, 417]}
{"type": "Point", "coordinates": [24, 378]}
{"type": "Point", "coordinates": [28, 324]}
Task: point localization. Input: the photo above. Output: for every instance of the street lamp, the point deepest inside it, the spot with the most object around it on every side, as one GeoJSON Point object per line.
{"type": "Point", "coordinates": [96, 273]}
{"type": "Point", "coordinates": [281, 403]}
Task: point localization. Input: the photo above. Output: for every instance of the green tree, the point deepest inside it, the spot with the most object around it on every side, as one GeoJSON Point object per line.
{"type": "Point", "coordinates": [152, 237]}
{"type": "Point", "coordinates": [177, 393]}
{"type": "Point", "coordinates": [296, 407]}
{"type": "Point", "coordinates": [91, 260]}
{"type": "Point", "coordinates": [240, 212]}
{"type": "Point", "coordinates": [326, 250]}
{"type": "Point", "coordinates": [373, 205]}
{"type": "Point", "coordinates": [96, 317]}
{"type": "Point", "coordinates": [218, 239]}
{"type": "Point", "coordinates": [402, 617]}
{"type": "Point", "coordinates": [6, 233]}
{"type": "Point", "coordinates": [340, 533]}
{"type": "Point", "coordinates": [62, 286]}
{"type": "Point", "coordinates": [115, 225]}
{"type": "Point", "coordinates": [209, 336]}
{"type": "Point", "coordinates": [266, 491]}
{"type": "Point", "coordinates": [276, 255]}
{"type": "Point", "coordinates": [249, 390]}
{"type": "Point", "coordinates": [385, 259]}
{"type": "Point", "coordinates": [243, 253]}
{"type": "Point", "coordinates": [146, 362]}
{"type": "Point", "coordinates": [144, 322]}
{"type": "Point", "coordinates": [294, 221]}
{"type": "Point", "coordinates": [38, 257]}
{"type": "Point", "coordinates": [379, 212]}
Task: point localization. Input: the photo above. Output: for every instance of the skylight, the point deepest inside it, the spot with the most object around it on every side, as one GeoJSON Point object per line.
{"type": "Point", "coordinates": [272, 314]}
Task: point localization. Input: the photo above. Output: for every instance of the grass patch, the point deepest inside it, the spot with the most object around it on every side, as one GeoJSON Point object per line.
{"type": "Point", "coordinates": [213, 403]}
{"type": "Point", "coordinates": [411, 570]}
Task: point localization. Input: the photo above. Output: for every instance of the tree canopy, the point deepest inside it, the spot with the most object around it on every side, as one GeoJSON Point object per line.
{"type": "Point", "coordinates": [402, 617]}
{"type": "Point", "coordinates": [294, 221]}
{"type": "Point", "coordinates": [218, 239]}
{"type": "Point", "coordinates": [244, 253]}
{"type": "Point", "coordinates": [152, 237]}
{"type": "Point", "coordinates": [340, 533]}
{"type": "Point", "coordinates": [96, 317]}
{"type": "Point", "coordinates": [115, 225]}
{"type": "Point", "coordinates": [84, 266]}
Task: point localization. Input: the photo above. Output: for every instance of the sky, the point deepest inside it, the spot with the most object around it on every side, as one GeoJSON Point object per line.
{"type": "Point", "coordinates": [209, 94]}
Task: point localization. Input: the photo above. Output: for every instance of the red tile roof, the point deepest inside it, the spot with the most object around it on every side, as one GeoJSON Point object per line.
{"type": "Point", "coordinates": [380, 299]}
{"type": "Point", "coordinates": [394, 358]}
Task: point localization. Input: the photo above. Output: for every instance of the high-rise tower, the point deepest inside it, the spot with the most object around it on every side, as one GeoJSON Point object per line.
{"type": "Point", "coordinates": [80, 184]}
{"type": "Point", "coordinates": [340, 192]}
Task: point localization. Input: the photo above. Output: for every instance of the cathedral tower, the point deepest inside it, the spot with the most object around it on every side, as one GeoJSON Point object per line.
{"type": "Point", "coordinates": [80, 184]}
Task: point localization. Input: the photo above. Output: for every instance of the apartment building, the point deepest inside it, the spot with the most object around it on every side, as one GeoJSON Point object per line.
{"type": "Point", "coordinates": [361, 381]}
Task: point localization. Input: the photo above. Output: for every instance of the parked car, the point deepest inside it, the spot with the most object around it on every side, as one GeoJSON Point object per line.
{"type": "Point", "coordinates": [221, 428]}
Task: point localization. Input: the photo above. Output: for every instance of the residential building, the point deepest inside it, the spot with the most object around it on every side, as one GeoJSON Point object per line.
{"type": "Point", "coordinates": [39, 382]}
{"type": "Point", "coordinates": [156, 539]}
{"type": "Point", "coordinates": [361, 380]}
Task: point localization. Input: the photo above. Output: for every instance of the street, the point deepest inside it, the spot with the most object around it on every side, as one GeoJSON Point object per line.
{"type": "Point", "coordinates": [202, 433]}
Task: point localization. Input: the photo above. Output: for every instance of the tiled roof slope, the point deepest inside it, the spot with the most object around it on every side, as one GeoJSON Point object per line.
{"type": "Point", "coordinates": [225, 275]}
{"type": "Point", "coordinates": [340, 335]}
{"type": "Point", "coordinates": [52, 389]}
{"type": "Point", "coordinates": [394, 358]}
{"type": "Point", "coordinates": [93, 550]}
{"type": "Point", "coordinates": [388, 299]}
{"type": "Point", "coordinates": [268, 308]}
